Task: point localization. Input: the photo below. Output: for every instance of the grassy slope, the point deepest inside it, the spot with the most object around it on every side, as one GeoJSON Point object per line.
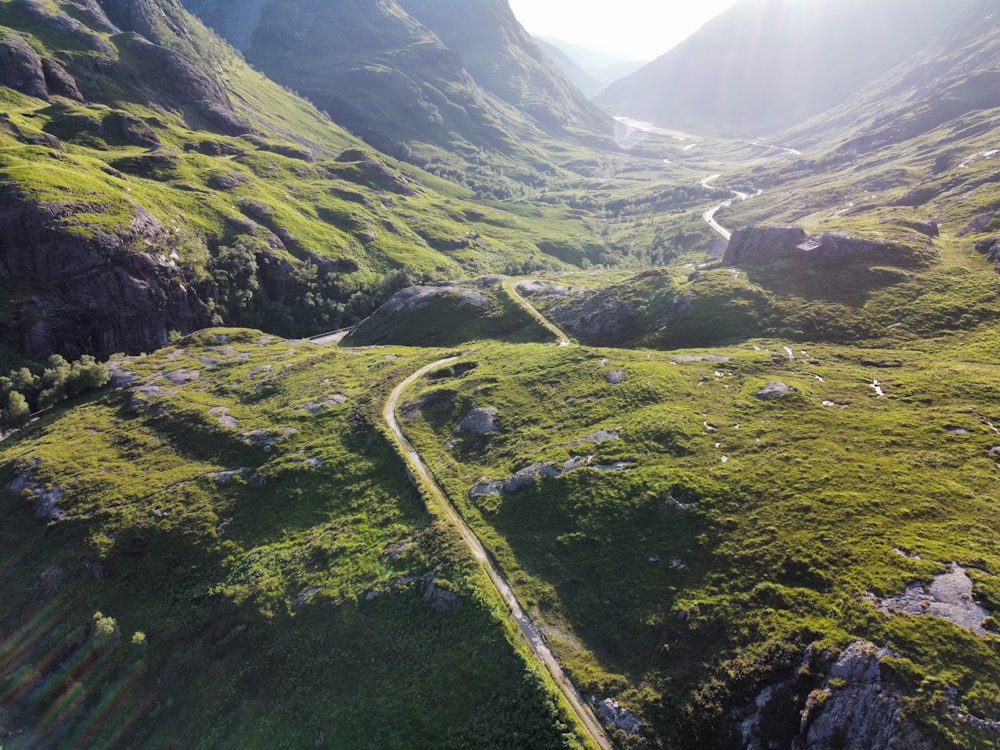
{"type": "Point", "coordinates": [779, 542]}
{"type": "Point", "coordinates": [348, 212]}
{"type": "Point", "coordinates": [254, 595]}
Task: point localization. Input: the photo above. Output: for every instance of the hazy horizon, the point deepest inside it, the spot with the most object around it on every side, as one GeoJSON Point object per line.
{"type": "Point", "coordinates": [627, 29]}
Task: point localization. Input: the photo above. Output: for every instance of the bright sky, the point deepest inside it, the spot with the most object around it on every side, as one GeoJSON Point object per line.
{"type": "Point", "coordinates": [631, 29]}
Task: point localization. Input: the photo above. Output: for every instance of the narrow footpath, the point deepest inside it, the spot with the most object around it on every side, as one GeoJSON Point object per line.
{"type": "Point", "coordinates": [437, 497]}
{"type": "Point", "coordinates": [510, 286]}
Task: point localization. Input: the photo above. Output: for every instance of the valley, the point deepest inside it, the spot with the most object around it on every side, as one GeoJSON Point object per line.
{"type": "Point", "coordinates": [443, 409]}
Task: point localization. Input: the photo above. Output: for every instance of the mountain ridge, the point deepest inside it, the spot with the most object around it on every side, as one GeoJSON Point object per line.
{"type": "Point", "coordinates": [796, 60]}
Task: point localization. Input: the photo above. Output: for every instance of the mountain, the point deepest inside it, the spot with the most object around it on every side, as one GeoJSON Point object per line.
{"type": "Point", "coordinates": [155, 183]}
{"type": "Point", "coordinates": [414, 78]}
{"type": "Point", "coordinates": [579, 77]}
{"type": "Point", "coordinates": [764, 65]}
{"type": "Point", "coordinates": [600, 67]}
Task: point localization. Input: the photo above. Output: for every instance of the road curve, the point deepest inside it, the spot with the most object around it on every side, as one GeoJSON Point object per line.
{"type": "Point", "coordinates": [435, 495]}
{"type": "Point", "coordinates": [510, 286]}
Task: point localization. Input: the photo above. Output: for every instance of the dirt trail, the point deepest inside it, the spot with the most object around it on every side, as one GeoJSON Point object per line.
{"type": "Point", "coordinates": [437, 498]}
{"type": "Point", "coordinates": [510, 286]}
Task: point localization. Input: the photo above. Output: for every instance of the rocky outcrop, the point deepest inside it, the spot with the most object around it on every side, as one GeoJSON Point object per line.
{"type": "Point", "coordinates": [21, 66]}
{"type": "Point", "coordinates": [990, 247]}
{"type": "Point", "coordinates": [59, 82]}
{"type": "Point", "coordinates": [948, 596]}
{"type": "Point", "coordinates": [853, 706]}
{"type": "Point", "coordinates": [184, 82]}
{"type": "Point", "coordinates": [97, 294]}
{"type": "Point", "coordinates": [855, 710]}
{"type": "Point", "coordinates": [763, 245]}
{"type": "Point", "coordinates": [480, 421]}
{"type": "Point", "coordinates": [541, 470]}
{"type": "Point", "coordinates": [24, 70]}
{"type": "Point", "coordinates": [599, 316]}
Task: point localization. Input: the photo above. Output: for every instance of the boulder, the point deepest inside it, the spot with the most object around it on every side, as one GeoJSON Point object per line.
{"type": "Point", "coordinates": [775, 388]}
{"type": "Point", "coordinates": [990, 247]}
{"type": "Point", "coordinates": [480, 421]}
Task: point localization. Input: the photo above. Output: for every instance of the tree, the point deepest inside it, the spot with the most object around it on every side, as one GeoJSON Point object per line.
{"type": "Point", "coordinates": [17, 411]}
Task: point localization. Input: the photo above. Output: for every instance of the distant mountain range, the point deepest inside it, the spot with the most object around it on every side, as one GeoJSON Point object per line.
{"type": "Point", "coordinates": [764, 65]}
{"type": "Point", "coordinates": [589, 70]}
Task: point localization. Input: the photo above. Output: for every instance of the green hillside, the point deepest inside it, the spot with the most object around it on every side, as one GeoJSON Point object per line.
{"type": "Point", "coordinates": [743, 489]}
{"type": "Point", "coordinates": [234, 558]}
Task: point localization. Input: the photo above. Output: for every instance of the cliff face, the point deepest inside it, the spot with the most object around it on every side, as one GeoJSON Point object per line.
{"type": "Point", "coordinates": [90, 295]}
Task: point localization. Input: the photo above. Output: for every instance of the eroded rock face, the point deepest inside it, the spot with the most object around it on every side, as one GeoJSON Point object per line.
{"type": "Point", "coordinates": [854, 710]}
{"type": "Point", "coordinates": [59, 82]}
{"type": "Point", "coordinates": [21, 67]}
{"type": "Point", "coordinates": [990, 247]}
{"type": "Point", "coordinates": [187, 83]}
{"type": "Point", "coordinates": [107, 295]}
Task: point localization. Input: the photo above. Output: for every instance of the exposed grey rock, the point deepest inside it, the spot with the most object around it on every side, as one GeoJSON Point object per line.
{"type": "Point", "coordinates": [949, 596]}
{"type": "Point", "coordinates": [416, 298]}
{"type": "Point", "coordinates": [775, 388]}
{"type": "Point", "coordinates": [855, 710]}
{"type": "Point", "coordinates": [685, 358]}
{"type": "Point", "coordinates": [111, 294]}
{"type": "Point", "coordinates": [615, 377]}
{"type": "Point", "coordinates": [224, 477]}
{"type": "Point", "coordinates": [185, 81]}
{"type": "Point", "coordinates": [440, 598]}
{"type": "Point", "coordinates": [315, 407]}
{"type": "Point", "coordinates": [299, 601]}
{"type": "Point", "coordinates": [990, 247]}
{"type": "Point", "coordinates": [221, 413]}
{"type": "Point", "coordinates": [599, 436]}
{"type": "Point", "coordinates": [612, 713]}
{"type": "Point", "coordinates": [226, 181]}
{"type": "Point", "coordinates": [979, 224]}
{"type": "Point", "coordinates": [46, 497]}
{"type": "Point", "coordinates": [480, 421]}
{"type": "Point", "coordinates": [526, 477]}
{"type": "Point", "coordinates": [537, 289]}
{"type": "Point", "coordinates": [65, 24]}
{"type": "Point", "coordinates": [180, 377]}
{"type": "Point", "coordinates": [59, 82]}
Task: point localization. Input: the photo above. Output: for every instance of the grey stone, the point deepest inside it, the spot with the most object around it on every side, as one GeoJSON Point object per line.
{"type": "Point", "coordinates": [775, 388]}
{"type": "Point", "coordinates": [480, 421]}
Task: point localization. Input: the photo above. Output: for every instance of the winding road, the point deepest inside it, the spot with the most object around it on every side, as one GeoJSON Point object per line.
{"type": "Point", "coordinates": [436, 497]}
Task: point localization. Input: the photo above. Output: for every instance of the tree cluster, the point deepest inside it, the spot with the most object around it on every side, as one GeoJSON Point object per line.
{"type": "Point", "coordinates": [23, 391]}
